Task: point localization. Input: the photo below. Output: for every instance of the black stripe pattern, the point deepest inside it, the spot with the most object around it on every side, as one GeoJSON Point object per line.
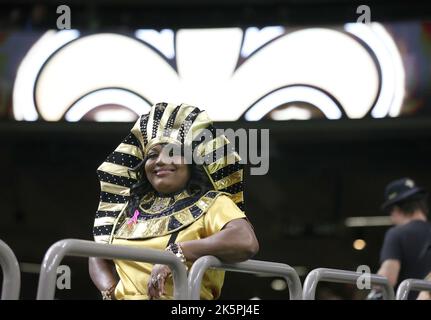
{"type": "Point", "coordinates": [225, 171]}
{"type": "Point", "coordinates": [179, 205]}
{"type": "Point", "coordinates": [235, 188]}
{"type": "Point", "coordinates": [195, 211]}
{"type": "Point", "coordinates": [241, 206]}
{"type": "Point", "coordinates": [104, 214]}
{"type": "Point", "coordinates": [110, 178]}
{"type": "Point", "coordinates": [173, 224]}
{"type": "Point", "coordinates": [112, 197]}
{"type": "Point", "coordinates": [143, 125]}
{"type": "Point", "coordinates": [132, 140]}
{"type": "Point", "coordinates": [123, 159]}
{"type": "Point", "coordinates": [219, 153]}
{"type": "Point", "coordinates": [187, 124]}
{"type": "Point", "coordinates": [102, 230]}
{"type": "Point", "coordinates": [158, 114]}
{"type": "Point", "coordinates": [171, 121]}
{"type": "Point", "coordinates": [207, 135]}
{"type": "Point", "coordinates": [211, 194]}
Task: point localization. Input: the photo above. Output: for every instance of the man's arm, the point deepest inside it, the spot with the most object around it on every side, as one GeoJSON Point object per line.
{"type": "Point", "coordinates": [425, 295]}
{"type": "Point", "coordinates": [390, 269]}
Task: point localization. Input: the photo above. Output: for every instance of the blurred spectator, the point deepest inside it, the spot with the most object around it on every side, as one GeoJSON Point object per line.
{"type": "Point", "coordinates": [406, 251]}
{"type": "Point", "coordinates": [425, 295]}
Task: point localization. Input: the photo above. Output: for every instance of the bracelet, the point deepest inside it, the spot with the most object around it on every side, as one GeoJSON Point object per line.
{"type": "Point", "coordinates": [108, 294]}
{"type": "Point", "coordinates": [176, 249]}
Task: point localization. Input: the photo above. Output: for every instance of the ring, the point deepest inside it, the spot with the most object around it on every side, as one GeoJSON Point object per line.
{"type": "Point", "coordinates": [154, 280]}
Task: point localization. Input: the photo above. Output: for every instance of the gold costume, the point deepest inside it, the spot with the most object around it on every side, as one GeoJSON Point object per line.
{"type": "Point", "coordinates": [135, 275]}
{"type": "Point", "coordinates": [193, 216]}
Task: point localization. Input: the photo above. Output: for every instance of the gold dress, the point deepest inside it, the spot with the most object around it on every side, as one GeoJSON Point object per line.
{"type": "Point", "coordinates": [134, 276]}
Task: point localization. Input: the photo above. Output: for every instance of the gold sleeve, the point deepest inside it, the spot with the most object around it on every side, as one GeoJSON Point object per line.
{"type": "Point", "coordinates": [222, 211]}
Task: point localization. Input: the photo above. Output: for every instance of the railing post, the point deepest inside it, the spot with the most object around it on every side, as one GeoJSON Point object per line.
{"type": "Point", "coordinates": [84, 248]}
{"type": "Point", "coordinates": [342, 276]}
{"type": "Point", "coordinates": [199, 267]}
{"type": "Point", "coordinates": [411, 284]}
{"type": "Point", "coordinates": [11, 273]}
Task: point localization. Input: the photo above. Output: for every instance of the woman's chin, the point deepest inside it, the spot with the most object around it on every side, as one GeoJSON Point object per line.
{"type": "Point", "coordinates": [164, 189]}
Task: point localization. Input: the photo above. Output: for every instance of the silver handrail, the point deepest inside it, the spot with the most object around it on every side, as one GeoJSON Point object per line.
{"type": "Point", "coordinates": [198, 269]}
{"type": "Point", "coordinates": [342, 276]}
{"type": "Point", "coordinates": [83, 248]}
{"type": "Point", "coordinates": [411, 284]}
{"type": "Point", "coordinates": [11, 273]}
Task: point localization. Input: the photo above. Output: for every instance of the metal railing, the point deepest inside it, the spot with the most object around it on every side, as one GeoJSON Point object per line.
{"type": "Point", "coordinates": [11, 273]}
{"type": "Point", "coordinates": [411, 284]}
{"type": "Point", "coordinates": [342, 276]}
{"type": "Point", "coordinates": [198, 269]}
{"type": "Point", "coordinates": [83, 248]}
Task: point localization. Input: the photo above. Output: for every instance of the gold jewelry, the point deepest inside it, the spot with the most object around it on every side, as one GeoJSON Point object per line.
{"type": "Point", "coordinates": [155, 280]}
{"type": "Point", "coordinates": [176, 249]}
{"type": "Point", "coordinates": [108, 294]}
{"type": "Point", "coordinates": [156, 204]}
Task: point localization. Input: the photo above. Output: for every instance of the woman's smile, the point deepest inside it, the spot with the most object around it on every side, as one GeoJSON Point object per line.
{"type": "Point", "coordinates": [166, 173]}
{"type": "Point", "coordinates": [162, 172]}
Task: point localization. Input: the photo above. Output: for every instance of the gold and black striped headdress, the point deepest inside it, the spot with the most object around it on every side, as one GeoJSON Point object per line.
{"type": "Point", "coordinates": [165, 123]}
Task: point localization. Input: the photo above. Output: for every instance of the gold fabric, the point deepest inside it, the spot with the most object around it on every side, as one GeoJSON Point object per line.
{"type": "Point", "coordinates": [212, 145]}
{"type": "Point", "coordinates": [107, 206]}
{"type": "Point", "coordinates": [229, 180]}
{"type": "Point", "coordinates": [159, 225]}
{"type": "Point", "coordinates": [114, 188]}
{"type": "Point", "coordinates": [134, 276]}
{"type": "Point", "coordinates": [128, 149]}
{"type": "Point", "coordinates": [237, 196]}
{"type": "Point", "coordinates": [117, 169]}
{"type": "Point", "coordinates": [223, 162]}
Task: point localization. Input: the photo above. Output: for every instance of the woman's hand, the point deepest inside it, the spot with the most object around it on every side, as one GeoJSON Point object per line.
{"type": "Point", "coordinates": [156, 284]}
{"type": "Point", "coordinates": [103, 274]}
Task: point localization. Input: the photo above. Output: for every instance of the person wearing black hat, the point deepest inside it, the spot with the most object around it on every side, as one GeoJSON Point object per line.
{"type": "Point", "coordinates": [406, 250]}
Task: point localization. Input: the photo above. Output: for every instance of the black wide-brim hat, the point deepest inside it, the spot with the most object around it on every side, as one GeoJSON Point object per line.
{"type": "Point", "coordinates": [401, 190]}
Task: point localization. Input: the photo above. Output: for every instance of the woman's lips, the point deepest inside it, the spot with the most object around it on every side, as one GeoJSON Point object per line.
{"type": "Point", "coordinates": [163, 172]}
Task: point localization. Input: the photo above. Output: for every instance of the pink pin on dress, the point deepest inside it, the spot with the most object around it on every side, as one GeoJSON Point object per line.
{"type": "Point", "coordinates": [134, 219]}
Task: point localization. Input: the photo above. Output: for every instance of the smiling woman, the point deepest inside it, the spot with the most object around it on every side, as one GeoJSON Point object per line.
{"type": "Point", "coordinates": [152, 198]}
{"type": "Point", "coordinates": [166, 173]}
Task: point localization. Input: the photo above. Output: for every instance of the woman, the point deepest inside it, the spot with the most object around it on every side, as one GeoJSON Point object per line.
{"type": "Point", "coordinates": [151, 198]}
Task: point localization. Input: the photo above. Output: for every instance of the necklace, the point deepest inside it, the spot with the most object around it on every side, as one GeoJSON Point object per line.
{"type": "Point", "coordinates": [153, 204]}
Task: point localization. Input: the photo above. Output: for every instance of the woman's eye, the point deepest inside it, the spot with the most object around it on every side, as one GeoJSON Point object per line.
{"type": "Point", "coordinates": [152, 155]}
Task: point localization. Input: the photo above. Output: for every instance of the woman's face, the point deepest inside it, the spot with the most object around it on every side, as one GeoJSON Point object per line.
{"type": "Point", "coordinates": [166, 173]}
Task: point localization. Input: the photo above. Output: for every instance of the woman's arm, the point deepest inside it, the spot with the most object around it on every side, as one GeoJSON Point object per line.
{"type": "Point", "coordinates": [103, 273]}
{"type": "Point", "coordinates": [234, 243]}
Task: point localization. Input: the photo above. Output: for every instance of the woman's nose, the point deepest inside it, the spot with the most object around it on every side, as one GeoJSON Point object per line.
{"type": "Point", "coordinates": [163, 158]}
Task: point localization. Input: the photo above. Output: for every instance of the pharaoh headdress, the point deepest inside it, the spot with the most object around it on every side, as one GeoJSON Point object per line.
{"type": "Point", "coordinates": [166, 123]}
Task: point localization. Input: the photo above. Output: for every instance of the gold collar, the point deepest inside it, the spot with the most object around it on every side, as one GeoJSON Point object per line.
{"type": "Point", "coordinates": [153, 204]}
{"type": "Point", "coordinates": [162, 221]}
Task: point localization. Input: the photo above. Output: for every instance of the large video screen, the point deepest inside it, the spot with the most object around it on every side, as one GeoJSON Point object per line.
{"type": "Point", "coordinates": [350, 71]}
